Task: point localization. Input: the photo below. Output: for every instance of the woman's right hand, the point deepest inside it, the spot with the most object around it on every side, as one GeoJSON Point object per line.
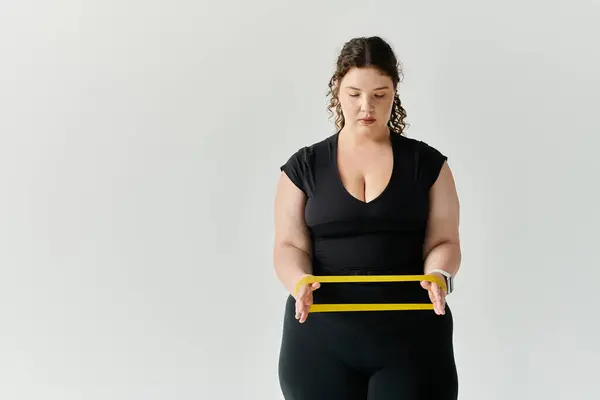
{"type": "Point", "coordinates": [304, 299]}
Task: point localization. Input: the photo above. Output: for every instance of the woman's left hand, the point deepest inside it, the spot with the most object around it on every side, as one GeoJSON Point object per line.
{"type": "Point", "coordinates": [437, 294]}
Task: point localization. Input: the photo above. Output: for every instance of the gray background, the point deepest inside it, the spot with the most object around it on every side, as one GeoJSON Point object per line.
{"type": "Point", "coordinates": [140, 147]}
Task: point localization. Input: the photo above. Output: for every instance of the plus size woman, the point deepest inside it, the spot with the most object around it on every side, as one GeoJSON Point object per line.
{"type": "Point", "coordinates": [367, 200]}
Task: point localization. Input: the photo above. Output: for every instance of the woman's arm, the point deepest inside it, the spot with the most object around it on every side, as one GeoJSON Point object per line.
{"type": "Point", "coordinates": [292, 246]}
{"type": "Point", "coordinates": [442, 244]}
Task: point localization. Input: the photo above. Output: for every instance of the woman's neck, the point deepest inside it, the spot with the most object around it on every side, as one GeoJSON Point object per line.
{"type": "Point", "coordinates": [354, 137]}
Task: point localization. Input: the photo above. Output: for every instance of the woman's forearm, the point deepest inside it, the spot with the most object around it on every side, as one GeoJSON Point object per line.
{"type": "Point", "coordinates": [291, 264]}
{"type": "Point", "coordinates": [446, 256]}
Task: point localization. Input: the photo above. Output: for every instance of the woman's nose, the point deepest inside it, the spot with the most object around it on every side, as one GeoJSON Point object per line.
{"type": "Point", "coordinates": [367, 106]}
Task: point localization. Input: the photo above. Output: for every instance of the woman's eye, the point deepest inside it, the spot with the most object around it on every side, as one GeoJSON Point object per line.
{"type": "Point", "coordinates": [378, 96]}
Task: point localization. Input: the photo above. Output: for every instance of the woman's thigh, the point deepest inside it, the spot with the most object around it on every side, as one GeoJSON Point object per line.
{"type": "Point", "coordinates": [306, 375]}
{"type": "Point", "coordinates": [413, 384]}
{"type": "Point", "coordinates": [310, 367]}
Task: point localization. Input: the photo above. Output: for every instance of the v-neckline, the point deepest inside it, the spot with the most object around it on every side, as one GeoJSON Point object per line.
{"type": "Point", "coordinates": [339, 176]}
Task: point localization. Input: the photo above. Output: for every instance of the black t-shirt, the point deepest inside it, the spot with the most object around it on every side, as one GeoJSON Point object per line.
{"type": "Point", "coordinates": [383, 236]}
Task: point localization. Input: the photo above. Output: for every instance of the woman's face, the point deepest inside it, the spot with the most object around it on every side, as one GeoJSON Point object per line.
{"type": "Point", "coordinates": [366, 97]}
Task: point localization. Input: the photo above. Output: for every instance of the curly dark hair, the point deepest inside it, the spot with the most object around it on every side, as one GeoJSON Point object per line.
{"type": "Point", "coordinates": [362, 52]}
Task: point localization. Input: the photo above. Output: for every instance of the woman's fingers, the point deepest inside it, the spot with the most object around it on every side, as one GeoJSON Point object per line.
{"type": "Point", "coordinates": [433, 297]}
{"type": "Point", "coordinates": [436, 296]}
{"type": "Point", "coordinates": [439, 299]}
{"type": "Point", "coordinates": [303, 316]}
{"type": "Point", "coordinates": [300, 310]}
{"type": "Point", "coordinates": [300, 302]}
{"type": "Point", "coordinates": [302, 313]}
{"type": "Point", "coordinates": [304, 301]}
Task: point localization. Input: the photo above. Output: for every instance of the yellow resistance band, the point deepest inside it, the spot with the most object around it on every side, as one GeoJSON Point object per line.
{"type": "Point", "coordinates": [369, 278]}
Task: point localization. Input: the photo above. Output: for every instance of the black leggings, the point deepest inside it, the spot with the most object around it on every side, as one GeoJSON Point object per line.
{"type": "Point", "coordinates": [405, 355]}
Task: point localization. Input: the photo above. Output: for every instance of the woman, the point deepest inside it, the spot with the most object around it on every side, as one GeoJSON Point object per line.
{"type": "Point", "coordinates": [367, 200]}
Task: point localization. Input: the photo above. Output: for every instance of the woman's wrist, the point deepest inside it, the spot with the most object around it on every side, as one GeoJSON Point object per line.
{"type": "Point", "coordinates": [445, 276]}
{"type": "Point", "coordinates": [296, 280]}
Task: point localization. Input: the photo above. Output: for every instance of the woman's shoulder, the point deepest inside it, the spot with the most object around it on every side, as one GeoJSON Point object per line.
{"type": "Point", "coordinates": [421, 149]}
{"type": "Point", "coordinates": [428, 159]}
{"type": "Point", "coordinates": [415, 144]}
{"type": "Point", "coordinates": [302, 164]}
{"type": "Point", "coordinates": [309, 152]}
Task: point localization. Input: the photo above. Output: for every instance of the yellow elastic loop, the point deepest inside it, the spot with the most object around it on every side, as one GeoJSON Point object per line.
{"type": "Point", "coordinates": [369, 278]}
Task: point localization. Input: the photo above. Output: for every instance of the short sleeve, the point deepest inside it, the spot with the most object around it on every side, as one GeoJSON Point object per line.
{"type": "Point", "coordinates": [430, 163]}
{"type": "Point", "coordinates": [297, 168]}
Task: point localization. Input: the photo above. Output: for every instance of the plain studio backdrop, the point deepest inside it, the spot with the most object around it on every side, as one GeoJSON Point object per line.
{"type": "Point", "coordinates": [140, 148]}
